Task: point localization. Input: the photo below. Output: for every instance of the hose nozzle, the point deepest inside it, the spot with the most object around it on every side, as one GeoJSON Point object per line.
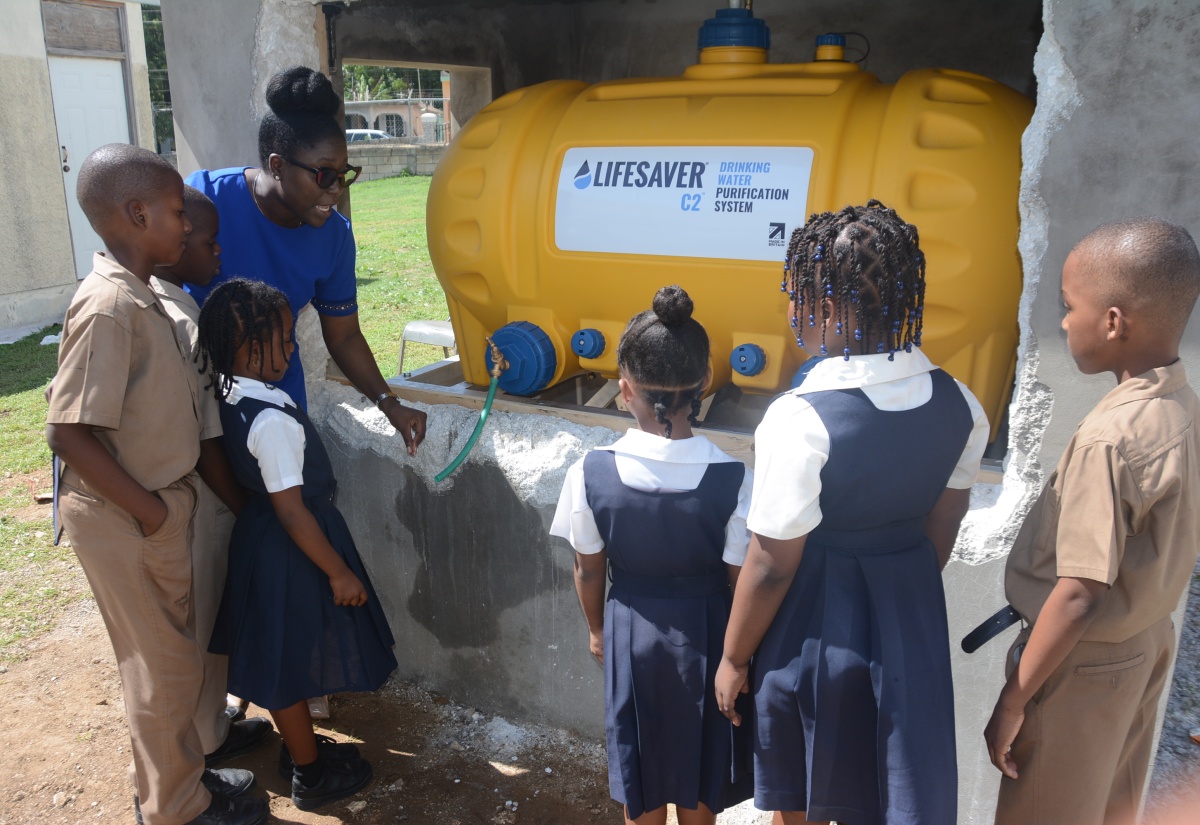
{"type": "Point", "coordinates": [499, 365]}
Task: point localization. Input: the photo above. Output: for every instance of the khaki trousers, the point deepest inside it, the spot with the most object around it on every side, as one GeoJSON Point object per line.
{"type": "Point", "coordinates": [143, 587]}
{"type": "Point", "coordinates": [1084, 750]}
{"type": "Point", "coordinates": [211, 529]}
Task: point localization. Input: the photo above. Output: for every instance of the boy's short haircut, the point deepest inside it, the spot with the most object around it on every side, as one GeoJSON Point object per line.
{"type": "Point", "coordinates": [199, 207]}
{"type": "Point", "coordinates": [1145, 264]}
{"type": "Point", "coordinates": [115, 174]}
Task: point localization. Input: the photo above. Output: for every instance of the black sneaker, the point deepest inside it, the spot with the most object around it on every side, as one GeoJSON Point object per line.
{"type": "Point", "coordinates": [240, 810]}
{"type": "Point", "coordinates": [341, 779]}
{"type": "Point", "coordinates": [244, 736]}
{"type": "Point", "coordinates": [224, 810]}
{"type": "Point", "coordinates": [227, 781]}
{"type": "Point", "coordinates": [328, 749]}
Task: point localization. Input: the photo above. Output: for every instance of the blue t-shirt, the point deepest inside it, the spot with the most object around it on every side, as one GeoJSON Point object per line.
{"type": "Point", "coordinates": [309, 265]}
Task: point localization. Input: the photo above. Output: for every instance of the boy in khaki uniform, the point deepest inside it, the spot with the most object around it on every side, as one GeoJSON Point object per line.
{"type": "Point", "coordinates": [123, 419]}
{"type": "Point", "coordinates": [1104, 555]}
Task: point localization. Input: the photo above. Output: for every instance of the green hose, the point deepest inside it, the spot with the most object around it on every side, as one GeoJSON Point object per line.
{"type": "Point", "coordinates": [483, 416]}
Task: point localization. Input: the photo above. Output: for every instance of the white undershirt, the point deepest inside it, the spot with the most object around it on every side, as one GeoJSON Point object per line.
{"type": "Point", "coordinates": [275, 438]}
{"type": "Point", "coordinates": [792, 444]}
{"type": "Point", "coordinates": [653, 464]}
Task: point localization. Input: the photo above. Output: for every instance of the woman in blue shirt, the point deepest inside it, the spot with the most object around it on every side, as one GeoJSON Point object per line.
{"type": "Point", "coordinates": [279, 224]}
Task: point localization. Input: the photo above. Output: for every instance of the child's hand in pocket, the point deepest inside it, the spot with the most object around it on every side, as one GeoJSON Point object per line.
{"type": "Point", "coordinates": [348, 591]}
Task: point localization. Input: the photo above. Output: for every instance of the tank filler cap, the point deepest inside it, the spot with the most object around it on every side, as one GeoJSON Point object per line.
{"type": "Point", "coordinates": [735, 27]}
{"type": "Point", "coordinates": [530, 355]}
{"type": "Point", "coordinates": [831, 47]}
{"type": "Point", "coordinates": [588, 343]}
{"type": "Point", "coordinates": [748, 359]}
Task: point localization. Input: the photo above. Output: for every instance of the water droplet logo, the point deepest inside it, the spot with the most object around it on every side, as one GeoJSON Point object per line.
{"type": "Point", "coordinates": [583, 178]}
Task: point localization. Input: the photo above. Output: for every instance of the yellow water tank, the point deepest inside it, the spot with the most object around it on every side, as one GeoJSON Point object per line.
{"type": "Point", "coordinates": [561, 208]}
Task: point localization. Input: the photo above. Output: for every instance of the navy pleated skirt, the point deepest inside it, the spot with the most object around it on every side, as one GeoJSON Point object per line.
{"type": "Point", "coordinates": [853, 692]}
{"type": "Point", "coordinates": [286, 639]}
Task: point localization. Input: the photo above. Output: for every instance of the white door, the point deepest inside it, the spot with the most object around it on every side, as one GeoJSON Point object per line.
{"type": "Point", "coordinates": [90, 111]}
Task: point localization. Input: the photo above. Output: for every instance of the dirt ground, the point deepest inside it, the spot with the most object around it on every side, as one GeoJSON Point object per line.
{"type": "Point", "coordinates": [65, 750]}
{"type": "Point", "coordinates": [64, 746]}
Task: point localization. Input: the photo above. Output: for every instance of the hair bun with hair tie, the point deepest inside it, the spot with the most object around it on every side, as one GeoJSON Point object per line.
{"type": "Point", "coordinates": [673, 306]}
{"type": "Point", "coordinates": [301, 89]}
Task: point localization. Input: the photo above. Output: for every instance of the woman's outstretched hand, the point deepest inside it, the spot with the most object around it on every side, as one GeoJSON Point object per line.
{"type": "Point", "coordinates": [408, 422]}
{"type": "Point", "coordinates": [731, 680]}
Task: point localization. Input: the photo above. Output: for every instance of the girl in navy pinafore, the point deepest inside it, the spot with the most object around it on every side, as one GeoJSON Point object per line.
{"type": "Point", "coordinates": [863, 475]}
{"type": "Point", "coordinates": [299, 617]}
{"type": "Point", "coordinates": [662, 510]}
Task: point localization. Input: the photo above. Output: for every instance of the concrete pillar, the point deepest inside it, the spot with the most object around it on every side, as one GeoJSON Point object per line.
{"type": "Point", "coordinates": [35, 238]}
{"type": "Point", "coordinates": [218, 93]}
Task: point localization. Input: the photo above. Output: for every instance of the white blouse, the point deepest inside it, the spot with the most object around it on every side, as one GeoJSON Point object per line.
{"type": "Point", "coordinates": [653, 464]}
{"type": "Point", "coordinates": [792, 445]}
{"type": "Point", "coordinates": [275, 438]}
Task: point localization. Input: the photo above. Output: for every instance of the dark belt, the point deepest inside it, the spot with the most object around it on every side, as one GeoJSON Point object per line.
{"type": "Point", "coordinates": [1003, 619]}
{"type": "Point", "coordinates": [669, 587]}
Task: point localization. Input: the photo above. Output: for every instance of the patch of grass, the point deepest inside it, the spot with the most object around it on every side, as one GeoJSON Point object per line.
{"type": "Point", "coordinates": [396, 283]}
{"type": "Point", "coordinates": [37, 579]}
{"type": "Point", "coordinates": [26, 367]}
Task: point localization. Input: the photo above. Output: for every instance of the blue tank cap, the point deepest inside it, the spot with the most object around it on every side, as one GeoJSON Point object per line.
{"type": "Point", "coordinates": [530, 356]}
{"type": "Point", "coordinates": [831, 40]}
{"type": "Point", "coordinates": [735, 27]}
{"type": "Point", "coordinates": [588, 343]}
{"type": "Point", "coordinates": [748, 359]}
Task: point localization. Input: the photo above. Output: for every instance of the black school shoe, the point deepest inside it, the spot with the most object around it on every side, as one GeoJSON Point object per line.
{"type": "Point", "coordinates": [328, 749]}
{"type": "Point", "coordinates": [240, 810]}
{"type": "Point", "coordinates": [225, 783]}
{"type": "Point", "coordinates": [244, 736]}
{"type": "Point", "coordinates": [341, 779]}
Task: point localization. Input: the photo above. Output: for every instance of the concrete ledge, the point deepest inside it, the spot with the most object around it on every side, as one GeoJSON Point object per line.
{"type": "Point", "coordinates": [36, 308]}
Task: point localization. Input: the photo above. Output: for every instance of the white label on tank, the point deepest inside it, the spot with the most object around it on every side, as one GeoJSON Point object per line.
{"type": "Point", "coordinates": [739, 202]}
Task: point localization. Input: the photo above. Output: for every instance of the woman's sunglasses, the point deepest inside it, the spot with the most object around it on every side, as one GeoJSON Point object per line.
{"type": "Point", "coordinates": [326, 175]}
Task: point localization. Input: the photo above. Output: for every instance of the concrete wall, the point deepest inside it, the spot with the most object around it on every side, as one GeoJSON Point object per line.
{"type": "Point", "coordinates": [138, 71]}
{"type": "Point", "coordinates": [37, 279]}
{"type": "Point", "coordinates": [386, 159]}
{"type": "Point", "coordinates": [221, 56]}
{"type": "Point", "coordinates": [528, 42]}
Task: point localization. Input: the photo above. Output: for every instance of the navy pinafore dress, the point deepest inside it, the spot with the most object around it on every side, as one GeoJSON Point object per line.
{"type": "Point", "coordinates": [853, 692]}
{"type": "Point", "coordinates": [664, 633]}
{"type": "Point", "coordinates": [285, 638]}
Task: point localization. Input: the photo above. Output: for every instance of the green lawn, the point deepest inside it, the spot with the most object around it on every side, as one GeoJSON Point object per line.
{"type": "Point", "coordinates": [396, 284]}
{"type": "Point", "coordinates": [37, 579]}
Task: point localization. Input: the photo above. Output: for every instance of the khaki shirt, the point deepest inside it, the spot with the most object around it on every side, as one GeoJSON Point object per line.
{"type": "Point", "coordinates": [1123, 508]}
{"type": "Point", "coordinates": [120, 370]}
{"type": "Point", "coordinates": [183, 311]}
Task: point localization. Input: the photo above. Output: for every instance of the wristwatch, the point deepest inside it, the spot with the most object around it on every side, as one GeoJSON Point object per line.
{"type": "Point", "coordinates": [384, 396]}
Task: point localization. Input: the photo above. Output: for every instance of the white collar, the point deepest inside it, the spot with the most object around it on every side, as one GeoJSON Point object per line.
{"type": "Point", "coordinates": [259, 391]}
{"type": "Point", "coordinates": [836, 373]}
{"type": "Point", "coordinates": [694, 450]}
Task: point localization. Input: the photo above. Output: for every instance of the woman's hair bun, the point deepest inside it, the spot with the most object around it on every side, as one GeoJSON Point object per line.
{"type": "Point", "coordinates": [301, 89]}
{"type": "Point", "coordinates": [672, 306]}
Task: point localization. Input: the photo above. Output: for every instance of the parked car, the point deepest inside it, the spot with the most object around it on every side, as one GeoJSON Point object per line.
{"type": "Point", "coordinates": [360, 135]}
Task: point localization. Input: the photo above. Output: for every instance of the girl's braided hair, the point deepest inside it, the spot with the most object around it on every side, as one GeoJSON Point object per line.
{"type": "Point", "coordinates": [237, 311]}
{"type": "Point", "coordinates": [665, 350]}
{"type": "Point", "coordinates": [868, 260]}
